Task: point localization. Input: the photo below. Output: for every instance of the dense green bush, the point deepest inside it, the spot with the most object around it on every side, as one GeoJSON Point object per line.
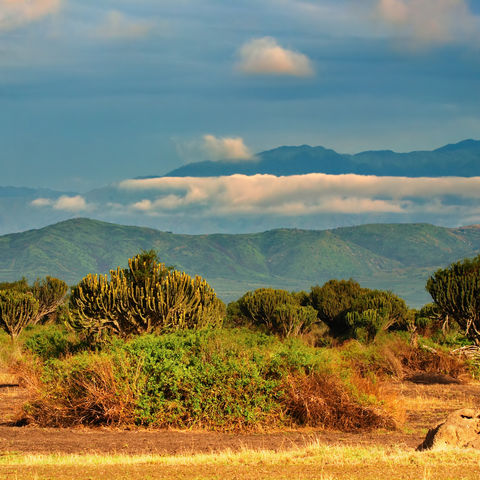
{"type": "Point", "coordinates": [145, 298]}
{"type": "Point", "coordinates": [53, 341]}
{"type": "Point", "coordinates": [351, 311]}
{"type": "Point", "coordinates": [275, 311]}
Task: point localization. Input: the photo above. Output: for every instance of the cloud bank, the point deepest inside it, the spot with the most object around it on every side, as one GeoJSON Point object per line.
{"type": "Point", "coordinates": [16, 13]}
{"type": "Point", "coordinates": [302, 195]}
{"type": "Point", "coordinates": [264, 56]}
{"type": "Point", "coordinates": [429, 22]}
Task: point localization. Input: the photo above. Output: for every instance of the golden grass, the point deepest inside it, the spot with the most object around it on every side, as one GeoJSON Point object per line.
{"type": "Point", "coordinates": [314, 454]}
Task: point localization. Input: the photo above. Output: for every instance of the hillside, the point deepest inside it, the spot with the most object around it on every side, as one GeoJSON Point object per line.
{"type": "Point", "coordinates": [460, 159]}
{"type": "Point", "coordinates": [398, 257]}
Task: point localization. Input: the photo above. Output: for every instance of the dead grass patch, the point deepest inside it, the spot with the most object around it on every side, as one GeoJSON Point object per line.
{"type": "Point", "coordinates": [323, 401]}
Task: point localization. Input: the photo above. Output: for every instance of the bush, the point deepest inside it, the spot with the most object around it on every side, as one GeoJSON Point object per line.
{"type": "Point", "coordinates": [275, 311]}
{"type": "Point", "coordinates": [354, 312]}
{"type": "Point", "coordinates": [53, 341]}
{"type": "Point", "coordinates": [215, 379]}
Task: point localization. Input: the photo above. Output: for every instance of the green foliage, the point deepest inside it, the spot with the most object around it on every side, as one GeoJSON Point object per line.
{"type": "Point", "coordinates": [217, 379]}
{"type": "Point", "coordinates": [351, 311]}
{"type": "Point", "coordinates": [333, 301]}
{"type": "Point", "coordinates": [53, 341]}
{"type": "Point", "coordinates": [17, 310]}
{"type": "Point", "coordinates": [145, 298]}
{"type": "Point", "coordinates": [275, 311]}
{"type": "Point", "coordinates": [49, 292]}
{"type": "Point", "coordinates": [20, 286]}
{"type": "Point", "coordinates": [456, 292]}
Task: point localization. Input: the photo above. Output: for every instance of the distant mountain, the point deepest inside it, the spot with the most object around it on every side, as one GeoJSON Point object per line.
{"type": "Point", "coordinates": [399, 257]}
{"type": "Point", "coordinates": [460, 159]}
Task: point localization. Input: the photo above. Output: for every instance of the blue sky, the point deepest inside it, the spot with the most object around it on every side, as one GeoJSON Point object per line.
{"type": "Point", "coordinates": [94, 92]}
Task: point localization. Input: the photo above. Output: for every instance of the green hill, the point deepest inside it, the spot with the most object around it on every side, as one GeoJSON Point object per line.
{"type": "Point", "coordinates": [399, 257]}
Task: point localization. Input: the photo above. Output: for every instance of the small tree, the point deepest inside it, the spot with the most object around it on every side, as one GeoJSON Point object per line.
{"type": "Point", "coordinates": [333, 301]}
{"type": "Point", "coordinates": [17, 310]}
{"type": "Point", "coordinates": [50, 293]}
{"type": "Point", "coordinates": [455, 290]}
{"type": "Point", "coordinates": [351, 311]}
{"type": "Point", "coordinates": [275, 311]}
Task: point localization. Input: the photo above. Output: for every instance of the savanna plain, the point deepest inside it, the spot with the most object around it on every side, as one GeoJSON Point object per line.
{"type": "Point", "coordinates": [145, 374]}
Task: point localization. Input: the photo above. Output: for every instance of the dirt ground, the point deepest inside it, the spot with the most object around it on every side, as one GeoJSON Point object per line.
{"type": "Point", "coordinates": [425, 406]}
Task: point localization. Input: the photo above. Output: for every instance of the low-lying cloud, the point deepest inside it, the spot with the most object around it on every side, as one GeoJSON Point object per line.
{"type": "Point", "coordinates": [300, 194]}
{"type": "Point", "coordinates": [74, 204]}
{"type": "Point", "coordinates": [264, 56]}
{"type": "Point", "coordinates": [16, 13]}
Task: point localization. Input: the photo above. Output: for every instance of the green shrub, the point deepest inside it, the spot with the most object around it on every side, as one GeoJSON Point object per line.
{"type": "Point", "coordinates": [354, 312]}
{"type": "Point", "coordinates": [275, 311]}
{"type": "Point", "coordinates": [333, 301]}
{"type": "Point", "coordinates": [53, 341]}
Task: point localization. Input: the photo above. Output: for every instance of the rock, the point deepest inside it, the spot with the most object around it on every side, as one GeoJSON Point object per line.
{"type": "Point", "coordinates": [460, 429]}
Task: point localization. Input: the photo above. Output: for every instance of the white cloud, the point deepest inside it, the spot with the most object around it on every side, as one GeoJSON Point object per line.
{"type": "Point", "coordinates": [226, 148]}
{"type": "Point", "coordinates": [68, 204]}
{"type": "Point", "coordinates": [117, 25]}
{"type": "Point", "coordinates": [264, 56]}
{"type": "Point", "coordinates": [15, 13]}
{"type": "Point", "coordinates": [301, 194]}
{"type": "Point", "coordinates": [429, 22]}
{"type": "Point", "coordinates": [42, 202]}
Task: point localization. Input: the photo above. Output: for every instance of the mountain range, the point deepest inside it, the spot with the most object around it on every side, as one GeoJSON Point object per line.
{"type": "Point", "coordinates": [399, 257]}
{"type": "Point", "coordinates": [460, 159]}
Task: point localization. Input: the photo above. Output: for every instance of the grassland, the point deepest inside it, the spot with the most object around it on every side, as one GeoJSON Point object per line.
{"type": "Point", "coordinates": [316, 461]}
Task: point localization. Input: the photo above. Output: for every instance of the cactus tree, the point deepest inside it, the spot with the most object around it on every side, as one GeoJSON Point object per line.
{"type": "Point", "coordinates": [17, 310]}
{"type": "Point", "coordinates": [144, 298]}
{"type": "Point", "coordinates": [456, 292]}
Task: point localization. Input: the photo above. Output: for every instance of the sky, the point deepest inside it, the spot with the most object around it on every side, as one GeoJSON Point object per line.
{"type": "Point", "coordinates": [99, 91]}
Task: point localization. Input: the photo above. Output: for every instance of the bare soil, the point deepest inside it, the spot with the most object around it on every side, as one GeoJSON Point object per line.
{"type": "Point", "coordinates": [426, 405]}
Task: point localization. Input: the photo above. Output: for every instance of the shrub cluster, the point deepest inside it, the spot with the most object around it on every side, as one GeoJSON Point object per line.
{"type": "Point", "coordinates": [348, 310]}
{"type": "Point", "coordinates": [145, 347]}
{"type": "Point", "coordinates": [217, 379]}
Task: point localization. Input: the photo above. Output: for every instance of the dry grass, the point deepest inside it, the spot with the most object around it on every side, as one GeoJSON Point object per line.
{"type": "Point", "coordinates": [314, 454]}
{"type": "Point", "coordinates": [98, 397]}
{"type": "Point", "coordinates": [323, 401]}
{"type": "Point", "coordinates": [316, 461]}
{"type": "Point", "coordinates": [402, 359]}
